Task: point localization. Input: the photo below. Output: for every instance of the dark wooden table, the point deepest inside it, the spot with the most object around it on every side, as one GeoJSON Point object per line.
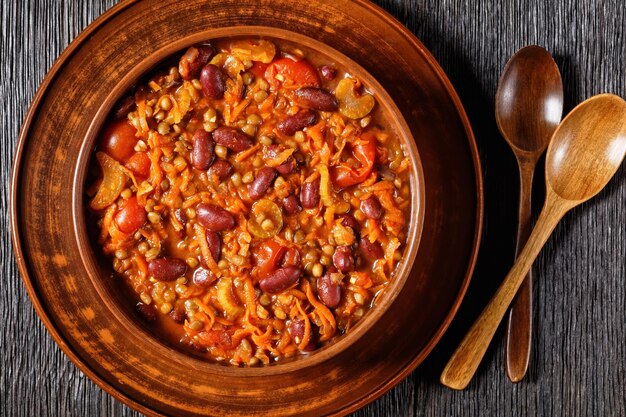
{"type": "Point", "coordinates": [578, 366]}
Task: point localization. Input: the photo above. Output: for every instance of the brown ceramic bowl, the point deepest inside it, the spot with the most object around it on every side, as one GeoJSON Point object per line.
{"type": "Point", "coordinates": [92, 321]}
{"type": "Point", "coordinates": [99, 269]}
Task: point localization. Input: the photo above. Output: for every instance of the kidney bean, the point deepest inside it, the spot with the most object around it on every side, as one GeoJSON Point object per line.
{"type": "Point", "coordinates": [191, 63]}
{"type": "Point", "coordinates": [214, 241]}
{"type": "Point", "coordinates": [202, 153]}
{"type": "Point", "coordinates": [310, 194]}
{"type": "Point", "coordinates": [203, 277]}
{"type": "Point", "coordinates": [371, 251]}
{"type": "Point", "coordinates": [262, 182]}
{"type": "Point", "coordinates": [178, 313]}
{"type": "Point", "coordinates": [280, 279]}
{"type": "Point", "coordinates": [291, 258]}
{"type": "Point", "coordinates": [167, 269]}
{"type": "Point", "coordinates": [180, 216]}
{"type": "Point", "coordinates": [328, 73]}
{"type": "Point", "coordinates": [371, 208]}
{"type": "Point", "coordinates": [291, 124]}
{"type": "Point", "coordinates": [329, 292]}
{"type": "Point", "coordinates": [295, 328]}
{"type": "Point", "coordinates": [123, 107]}
{"type": "Point", "coordinates": [233, 139]}
{"type": "Point", "coordinates": [221, 169]}
{"type": "Point", "coordinates": [146, 312]}
{"type": "Point", "coordinates": [316, 98]}
{"type": "Point", "coordinates": [350, 221]}
{"type": "Point", "coordinates": [291, 204]}
{"type": "Point", "coordinates": [343, 259]}
{"type": "Point", "coordinates": [214, 218]}
{"type": "Point", "coordinates": [212, 81]}
{"type": "Point", "coordinates": [286, 167]}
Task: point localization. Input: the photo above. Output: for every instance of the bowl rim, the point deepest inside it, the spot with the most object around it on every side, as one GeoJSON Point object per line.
{"type": "Point", "coordinates": [88, 369]}
{"type": "Point", "coordinates": [390, 112]}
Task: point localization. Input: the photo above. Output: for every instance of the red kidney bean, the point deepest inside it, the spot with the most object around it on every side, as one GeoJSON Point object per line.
{"type": "Point", "coordinates": [214, 218]}
{"type": "Point", "coordinates": [310, 194]}
{"type": "Point", "coordinates": [350, 221]}
{"type": "Point", "coordinates": [203, 277]}
{"type": "Point", "coordinates": [167, 269]}
{"type": "Point", "coordinates": [181, 216]}
{"type": "Point", "coordinates": [291, 204]}
{"type": "Point", "coordinates": [123, 107]}
{"type": "Point", "coordinates": [280, 279]}
{"type": "Point", "coordinates": [212, 81]}
{"type": "Point", "coordinates": [328, 73]}
{"type": "Point", "coordinates": [214, 241]}
{"type": "Point", "coordinates": [371, 251]}
{"type": "Point", "coordinates": [191, 63]}
{"type": "Point", "coordinates": [262, 182]}
{"type": "Point", "coordinates": [233, 139]}
{"type": "Point", "coordinates": [146, 312]}
{"type": "Point", "coordinates": [286, 167]}
{"type": "Point", "coordinates": [291, 124]}
{"type": "Point", "coordinates": [178, 313]}
{"type": "Point", "coordinates": [295, 328]}
{"type": "Point", "coordinates": [343, 259]}
{"type": "Point", "coordinates": [316, 98]}
{"type": "Point", "coordinates": [290, 258]}
{"type": "Point", "coordinates": [371, 208]}
{"type": "Point", "coordinates": [329, 292]}
{"type": "Point", "coordinates": [202, 153]}
{"type": "Point", "coordinates": [221, 169]}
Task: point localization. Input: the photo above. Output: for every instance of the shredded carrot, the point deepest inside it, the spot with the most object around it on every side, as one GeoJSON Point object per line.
{"type": "Point", "coordinates": [242, 156]}
{"type": "Point", "coordinates": [206, 252]}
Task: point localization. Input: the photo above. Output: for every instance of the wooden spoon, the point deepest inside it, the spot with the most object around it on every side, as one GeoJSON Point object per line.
{"type": "Point", "coordinates": [529, 105]}
{"type": "Point", "coordinates": [586, 150]}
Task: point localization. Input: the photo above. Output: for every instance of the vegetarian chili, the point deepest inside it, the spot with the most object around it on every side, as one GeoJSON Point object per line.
{"type": "Point", "coordinates": [252, 198]}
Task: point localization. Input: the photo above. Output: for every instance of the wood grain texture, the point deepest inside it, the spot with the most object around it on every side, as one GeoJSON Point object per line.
{"type": "Point", "coordinates": [578, 366]}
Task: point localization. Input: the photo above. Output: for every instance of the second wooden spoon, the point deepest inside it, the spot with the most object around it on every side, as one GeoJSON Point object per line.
{"type": "Point", "coordinates": [529, 105]}
{"type": "Point", "coordinates": [585, 152]}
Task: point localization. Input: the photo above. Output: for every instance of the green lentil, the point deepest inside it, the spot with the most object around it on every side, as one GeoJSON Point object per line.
{"type": "Point", "coordinates": [248, 78]}
{"type": "Point", "coordinates": [247, 178]}
{"type": "Point", "coordinates": [221, 151]}
{"type": "Point", "coordinates": [317, 270]}
{"type": "Point", "coordinates": [165, 103]}
{"type": "Point", "coordinates": [265, 140]}
{"type": "Point", "coordinates": [260, 96]}
{"type": "Point", "coordinates": [249, 130]}
{"type": "Point", "coordinates": [254, 119]}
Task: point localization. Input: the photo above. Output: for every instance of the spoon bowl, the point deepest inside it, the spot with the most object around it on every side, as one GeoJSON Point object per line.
{"type": "Point", "coordinates": [587, 148]}
{"type": "Point", "coordinates": [529, 100]}
{"type": "Point", "coordinates": [585, 152]}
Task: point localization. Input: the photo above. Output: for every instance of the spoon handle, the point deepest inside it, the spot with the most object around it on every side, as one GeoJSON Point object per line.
{"type": "Point", "coordinates": [465, 360]}
{"type": "Point", "coordinates": [519, 326]}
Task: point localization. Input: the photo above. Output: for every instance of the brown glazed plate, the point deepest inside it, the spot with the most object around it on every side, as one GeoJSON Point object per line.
{"type": "Point", "coordinates": [92, 322]}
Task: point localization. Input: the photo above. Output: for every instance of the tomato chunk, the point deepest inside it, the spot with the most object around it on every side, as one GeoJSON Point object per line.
{"type": "Point", "coordinates": [140, 164]}
{"type": "Point", "coordinates": [293, 73]}
{"type": "Point", "coordinates": [365, 153]}
{"type": "Point", "coordinates": [118, 140]}
{"type": "Point", "coordinates": [131, 217]}
{"type": "Point", "coordinates": [267, 256]}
